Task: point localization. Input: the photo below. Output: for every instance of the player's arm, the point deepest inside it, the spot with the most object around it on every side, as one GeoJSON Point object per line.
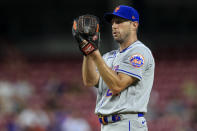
{"type": "Point", "coordinates": [86, 32]}
{"type": "Point", "coordinates": [89, 74]}
{"type": "Point", "coordinates": [116, 82]}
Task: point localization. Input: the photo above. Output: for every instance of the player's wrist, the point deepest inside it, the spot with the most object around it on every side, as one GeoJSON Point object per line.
{"type": "Point", "coordinates": [95, 54]}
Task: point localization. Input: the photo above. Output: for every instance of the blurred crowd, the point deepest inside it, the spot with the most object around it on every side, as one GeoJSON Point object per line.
{"type": "Point", "coordinates": [49, 109]}
{"type": "Point", "coordinates": [44, 95]}
{"type": "Point", "coordinates": [48, 95]}
{"type": "Point", "coordinates": [173, 104]}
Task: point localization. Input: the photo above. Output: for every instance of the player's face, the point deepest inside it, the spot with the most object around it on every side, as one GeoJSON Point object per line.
{"type": "Point", "coordinates": [121, 29]}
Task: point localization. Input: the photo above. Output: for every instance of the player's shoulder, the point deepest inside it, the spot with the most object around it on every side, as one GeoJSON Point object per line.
{"type": "Point", "coordinates": [110, 54]}
{"type": "Point", "coordinates": [140, 47]}
{"type": "Point", "coordinates": [139, 50]}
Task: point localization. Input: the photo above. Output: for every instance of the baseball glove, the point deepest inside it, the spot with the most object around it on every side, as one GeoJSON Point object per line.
{"type": "Point", "coordinates": [86, 31]}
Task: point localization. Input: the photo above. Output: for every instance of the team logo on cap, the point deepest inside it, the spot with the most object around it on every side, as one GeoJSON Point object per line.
{"type": "Point", "coordinates": [137, 60]}
{"type": "Point", "coordinates": [133, 17]}
{"type": "Point", "coordinates": [117, 8]}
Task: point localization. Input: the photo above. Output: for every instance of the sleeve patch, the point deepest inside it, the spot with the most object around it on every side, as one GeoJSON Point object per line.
{"type": "Point", "coordinates": [137, 60]}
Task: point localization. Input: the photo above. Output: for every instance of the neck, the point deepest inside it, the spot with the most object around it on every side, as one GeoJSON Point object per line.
{"type": "Point", "coordinates": [127, 43]}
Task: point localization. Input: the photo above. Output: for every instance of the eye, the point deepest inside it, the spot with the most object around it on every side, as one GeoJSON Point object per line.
{"type": "Point", "coordinates": [118, 21]}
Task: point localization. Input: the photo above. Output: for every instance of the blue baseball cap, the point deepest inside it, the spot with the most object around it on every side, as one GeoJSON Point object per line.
{"type": "Point", "coordinates": [123, 11]}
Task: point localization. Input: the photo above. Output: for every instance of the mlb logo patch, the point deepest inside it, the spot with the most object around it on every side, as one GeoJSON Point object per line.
{"type": "Point", "coordinates": [137, 60]}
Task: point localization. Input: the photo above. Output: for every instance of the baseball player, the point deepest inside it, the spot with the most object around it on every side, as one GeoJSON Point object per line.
{"type": "Point", "coordinates": [123, 77]}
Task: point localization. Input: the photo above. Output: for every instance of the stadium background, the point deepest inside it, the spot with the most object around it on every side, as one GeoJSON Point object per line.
{"type": "Point", "coordinates": [40, 65]}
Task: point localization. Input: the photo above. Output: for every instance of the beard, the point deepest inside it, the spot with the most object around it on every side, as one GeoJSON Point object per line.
{"type": "Point", "coordinates": [121, 38]}
{"type": "Point", "coordinates": [120, 41]}
{"type": "Point", "coordinates": [117, 37]}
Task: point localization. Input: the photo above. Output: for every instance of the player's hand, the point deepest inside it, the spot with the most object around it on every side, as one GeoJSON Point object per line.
{"type": "Point", "coordinates": [86, 31]}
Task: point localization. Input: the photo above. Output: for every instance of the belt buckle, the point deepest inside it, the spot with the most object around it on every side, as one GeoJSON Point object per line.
{"type": "Point", "coordinates": [116, 118]}
{"type": "Point", "coordinates": [103, 120]}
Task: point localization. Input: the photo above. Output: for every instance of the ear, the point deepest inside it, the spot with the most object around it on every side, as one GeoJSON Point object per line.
{"type": "Point", "coordinates": [135, 24]}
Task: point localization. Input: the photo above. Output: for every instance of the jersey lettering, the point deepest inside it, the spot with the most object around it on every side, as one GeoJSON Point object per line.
{"type": "Point", "coordinates": [115, 67]}
{"type": "Point", "coordinates": [109, 93]}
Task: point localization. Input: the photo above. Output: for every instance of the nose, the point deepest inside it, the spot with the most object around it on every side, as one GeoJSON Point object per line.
{"type": "Point", "coordinates": [114, 25]}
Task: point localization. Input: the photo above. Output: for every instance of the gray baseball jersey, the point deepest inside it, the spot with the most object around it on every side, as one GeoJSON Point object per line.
{"type": "Point", "coordinates": [136, 61]}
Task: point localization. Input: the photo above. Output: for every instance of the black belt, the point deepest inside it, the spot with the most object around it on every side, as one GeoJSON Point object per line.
{"type": "Point", "coordinates": [115, 117]}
